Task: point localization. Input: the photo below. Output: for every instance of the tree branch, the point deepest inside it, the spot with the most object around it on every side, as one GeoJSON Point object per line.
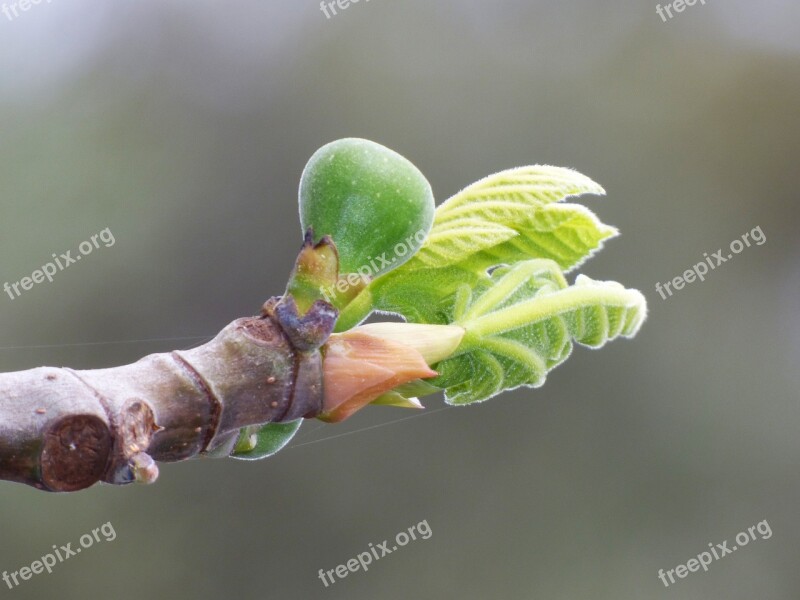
{"type": "Point", "coordinates": [63, 430]}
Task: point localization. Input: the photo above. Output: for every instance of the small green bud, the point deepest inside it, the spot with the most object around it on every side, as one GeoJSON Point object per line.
{"type": "Point", "coordinates": [375, 204]}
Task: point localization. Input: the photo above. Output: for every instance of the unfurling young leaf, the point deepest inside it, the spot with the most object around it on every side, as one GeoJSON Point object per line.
{"type": "Point", "coordinates": [512, 217]}
{"type": "Point", "coordinates": [522, 321]}
{"type": "Point", "coordinates": [493, 265]}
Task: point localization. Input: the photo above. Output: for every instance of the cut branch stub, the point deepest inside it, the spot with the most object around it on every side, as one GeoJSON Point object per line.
{"type": "Point", "coordinates": [75, 453]}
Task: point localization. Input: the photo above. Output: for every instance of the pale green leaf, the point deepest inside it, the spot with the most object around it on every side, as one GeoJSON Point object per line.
{"type": "Point", "coordinates": [450, 242]}
{"type": "Point", "coordinates": [497, 198]}
{"type": "Point", "coordinates": [566, 233]}
{"type": "Point", "coordinates": [511, 216]}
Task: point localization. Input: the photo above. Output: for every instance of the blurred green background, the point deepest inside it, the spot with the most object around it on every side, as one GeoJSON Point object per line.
{"type": "Point", "coordinates": [184, 127]}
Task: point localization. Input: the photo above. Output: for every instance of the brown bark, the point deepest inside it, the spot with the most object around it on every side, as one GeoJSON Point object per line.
{"type": "Point", "coordinates": [63, 430]}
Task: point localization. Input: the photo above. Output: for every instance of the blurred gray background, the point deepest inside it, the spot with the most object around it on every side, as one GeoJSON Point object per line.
{"type": "Point", "coordinates": [184, 127]}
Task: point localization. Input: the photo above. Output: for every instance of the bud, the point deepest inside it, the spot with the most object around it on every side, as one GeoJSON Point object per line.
{"type": "Point", "coordinates": [359, 368]}
{"type": "Point", "coordinates": [315, 272]}
{"type": "Point", "coordinates": [367, 362]}
{"type": "Point", "coordinates": [433, 342]}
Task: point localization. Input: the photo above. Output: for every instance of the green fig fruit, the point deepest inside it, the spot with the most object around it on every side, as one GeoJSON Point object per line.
{"type": "Point", "coordinates": [376, 206]}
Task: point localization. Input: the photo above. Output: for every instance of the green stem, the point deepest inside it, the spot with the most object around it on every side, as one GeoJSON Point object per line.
{"type": "Point", "coordinates": [547, 306]}
{"type": "Point", "coordinates": [516, 277]}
